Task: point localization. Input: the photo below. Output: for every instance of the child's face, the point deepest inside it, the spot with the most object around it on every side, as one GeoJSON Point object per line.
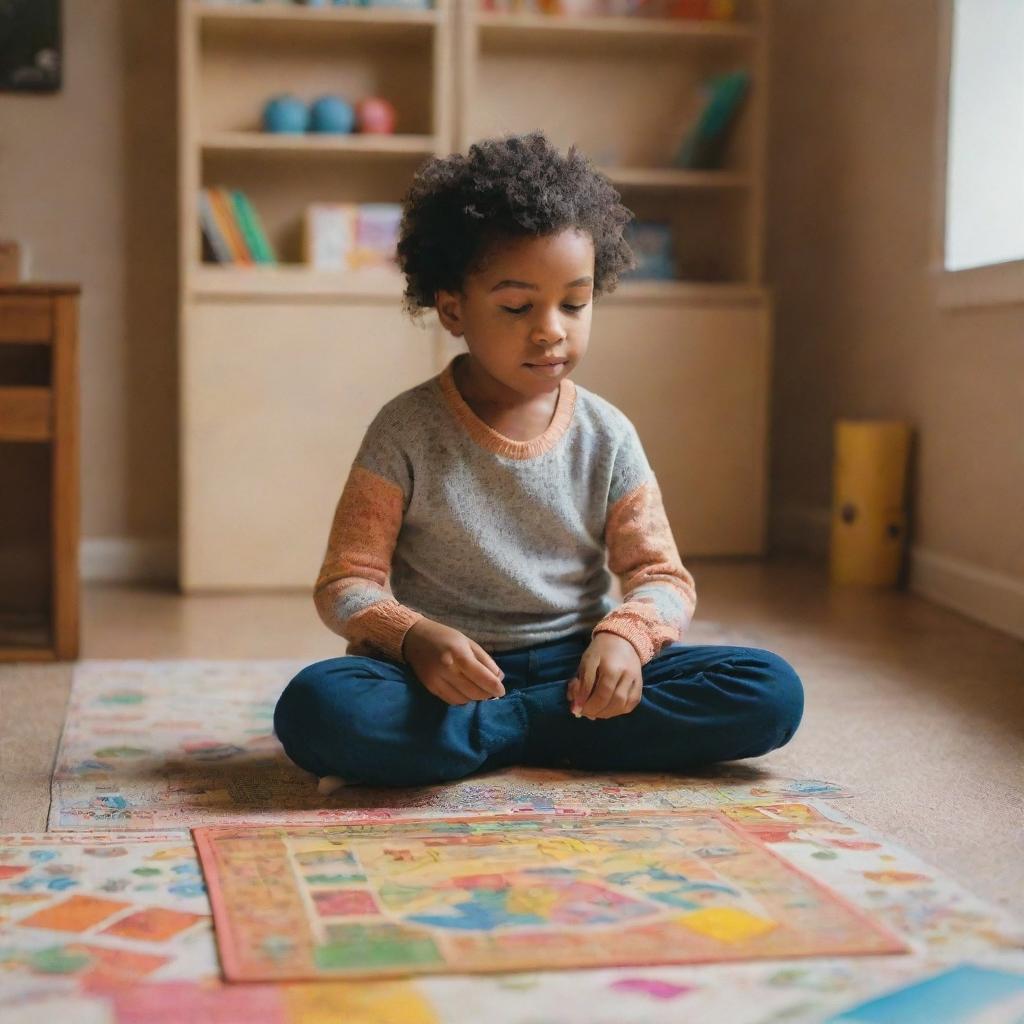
{"type": "Point", "coordinates": [531, 302]}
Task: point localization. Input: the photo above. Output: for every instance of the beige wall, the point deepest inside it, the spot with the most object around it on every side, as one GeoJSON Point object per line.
{"type": "Point", "coordinates": [87, 183]}
{"type": "Point", "coordinates": [859, 331]}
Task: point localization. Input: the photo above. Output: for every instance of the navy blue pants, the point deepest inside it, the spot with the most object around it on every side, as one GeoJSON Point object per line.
{"type": "Point", "coordinates": [371, 721]}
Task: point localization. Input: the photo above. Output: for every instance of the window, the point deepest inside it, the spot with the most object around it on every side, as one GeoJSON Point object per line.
{"type": "Point", "coordinates": [982, 106]}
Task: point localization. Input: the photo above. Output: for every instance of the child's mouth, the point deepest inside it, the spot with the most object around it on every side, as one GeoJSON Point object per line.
{"type": "Point", "coordinates": [546, 369]}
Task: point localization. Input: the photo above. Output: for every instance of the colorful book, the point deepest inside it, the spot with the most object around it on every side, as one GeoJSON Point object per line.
{"type": "Point", "coordinates": [252, 228]}
{"type": "Point", "coordinates": [214, 242]}
{"type": "Point", "coordinates": [223, 210]}
{"type": "Point", "coordinates": [377, 229]}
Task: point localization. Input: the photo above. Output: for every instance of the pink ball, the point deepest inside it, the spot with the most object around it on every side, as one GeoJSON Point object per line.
{"type": "Point", "coordinates": [375, 115]}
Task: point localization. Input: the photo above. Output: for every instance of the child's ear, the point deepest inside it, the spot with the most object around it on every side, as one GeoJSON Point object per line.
{"type": "Point", "coordinates": [449, 312]}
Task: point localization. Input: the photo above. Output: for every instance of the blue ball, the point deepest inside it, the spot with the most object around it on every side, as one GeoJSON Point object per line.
{"type": "Point", "coordinates": [332, 114]}
{"type": "Point", "coordinates": [285, 114]}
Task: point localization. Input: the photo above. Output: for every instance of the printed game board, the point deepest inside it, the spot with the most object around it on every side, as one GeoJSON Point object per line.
{"type": "Point", "coordinates": [510, 893]}
{"type": "Point", "coordinates": [174, 744]}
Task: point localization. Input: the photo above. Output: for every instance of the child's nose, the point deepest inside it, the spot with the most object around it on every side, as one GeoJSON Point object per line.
{"type": "Point", "coordinates": [549, 330]}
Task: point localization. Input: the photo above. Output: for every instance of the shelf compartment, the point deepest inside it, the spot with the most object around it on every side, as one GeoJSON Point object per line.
{"type": "Point", "coordinates": [253, 143]}
{"type": "Point", "coordinates": [709, 244]}
{"type": "Point", "coordinates": [239, 69]}
{"type": "Point", "coordinates": [26, 364]}
{"type": "Point", "coordinates": [281, 189]}
{"type": "Point", "coordinates": [26, 636]}
{"type": "Point", "coordinates": [649, 102]}
{"type": "Point", "coordinates": [26, 554]}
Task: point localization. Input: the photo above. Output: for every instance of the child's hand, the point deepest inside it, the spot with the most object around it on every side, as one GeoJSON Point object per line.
{"type": "Point", "coordinates": [609, 681]}
{"type": "Point", "coordinates": [450, 665]}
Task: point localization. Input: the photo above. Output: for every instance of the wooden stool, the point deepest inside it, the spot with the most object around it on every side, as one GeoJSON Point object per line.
{"type": "Point", "coordinates": [39, 472]}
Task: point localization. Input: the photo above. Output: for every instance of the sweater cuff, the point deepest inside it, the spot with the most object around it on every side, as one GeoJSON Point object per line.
{"type": "Point", "coordinates": [384, 625]}
{"type": "Point", "coordinates": [637, 636]}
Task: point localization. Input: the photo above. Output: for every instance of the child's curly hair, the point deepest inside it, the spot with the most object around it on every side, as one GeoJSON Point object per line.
{"type": "Point", "coordinates": [517, 186]}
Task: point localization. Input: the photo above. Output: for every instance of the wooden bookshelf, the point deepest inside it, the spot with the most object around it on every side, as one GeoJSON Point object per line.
{"type": "Point", "coordinates": [283, 366]}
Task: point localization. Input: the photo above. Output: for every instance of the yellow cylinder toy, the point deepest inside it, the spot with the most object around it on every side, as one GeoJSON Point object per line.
{"type": "Point", "coordinates": [869, 515]}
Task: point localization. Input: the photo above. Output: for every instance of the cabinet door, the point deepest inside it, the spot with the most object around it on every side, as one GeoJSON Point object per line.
{"type": "Point", "coordinates": [275, 401]}
{"type": "Point", "coordinates": [694, 380]}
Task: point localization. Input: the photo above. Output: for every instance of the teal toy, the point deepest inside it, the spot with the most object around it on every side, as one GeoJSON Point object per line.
{"type": "Point", "coordinates": [332, 114]}
{"type": "Point", "coordinates": [285, 115]}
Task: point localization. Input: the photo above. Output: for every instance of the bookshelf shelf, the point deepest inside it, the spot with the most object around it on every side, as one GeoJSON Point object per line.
{"type": "Point", "coordinates": [512, 30]}
{"type": "Point", "coordinates": [294, 281]}
{"type": "Point", "coordinates": [253, 143]}
{"type": "Point", "coordinates": [670, 178]}
{"type": "Point", "coordinates": [685, 292]}
{"type": "Point", "coordinates": [273, 15]}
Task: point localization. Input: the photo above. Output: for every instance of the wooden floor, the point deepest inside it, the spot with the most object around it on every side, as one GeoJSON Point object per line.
{"type": "Point", "coordinates": [916, 709]}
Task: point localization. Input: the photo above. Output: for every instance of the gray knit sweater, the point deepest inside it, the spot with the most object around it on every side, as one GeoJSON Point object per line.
{"type": "Point", "coordinates": [508, 541]}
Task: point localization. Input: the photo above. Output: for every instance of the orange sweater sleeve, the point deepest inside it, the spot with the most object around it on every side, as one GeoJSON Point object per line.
{"type": "Point", "coordinates": [659, 594]}
{"type": "Point", "coordinates": [352, 592]}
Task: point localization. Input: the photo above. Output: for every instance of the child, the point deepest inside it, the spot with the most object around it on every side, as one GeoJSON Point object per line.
{"type": "Point", "coordinates": [466, 561]}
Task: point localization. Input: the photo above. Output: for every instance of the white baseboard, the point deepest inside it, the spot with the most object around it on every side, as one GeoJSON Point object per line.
{"type": "Point", "coordinates": [128, 560]}
{"type": "Point", "coordinates": [979, 593]}
{"type": "Point", "coordinates": [993, 598]}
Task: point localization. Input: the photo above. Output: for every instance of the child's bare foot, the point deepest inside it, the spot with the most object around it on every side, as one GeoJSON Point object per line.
{"type": "Point", "coordinates": [329, 784]}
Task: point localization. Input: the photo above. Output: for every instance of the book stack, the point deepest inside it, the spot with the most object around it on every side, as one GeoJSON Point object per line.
{"type": "Point", "coordinates": [231, 228]}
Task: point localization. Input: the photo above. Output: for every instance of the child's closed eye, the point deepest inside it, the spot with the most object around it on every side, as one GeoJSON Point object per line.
{"type": "Point", "coordinates": [517, 311]}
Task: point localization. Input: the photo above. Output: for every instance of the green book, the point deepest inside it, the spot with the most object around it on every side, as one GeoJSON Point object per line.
{"type": "Point", "coordinates": [252, 228]}
{"type": "Point", "coordinates": [705, 143]}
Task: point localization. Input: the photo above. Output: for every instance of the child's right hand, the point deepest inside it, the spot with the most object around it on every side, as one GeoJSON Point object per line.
{"type": "Point", "coordinates": [450, 665]}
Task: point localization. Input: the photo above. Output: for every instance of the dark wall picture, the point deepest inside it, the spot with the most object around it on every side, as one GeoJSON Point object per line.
{"type": "Point", "coordinates": [30, 57]}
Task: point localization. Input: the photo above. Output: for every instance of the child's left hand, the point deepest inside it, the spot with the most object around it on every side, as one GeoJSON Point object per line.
{"type": "Point", "coordinates": [609, 681]}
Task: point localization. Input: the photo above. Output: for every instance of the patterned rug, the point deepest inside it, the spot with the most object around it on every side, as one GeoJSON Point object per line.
{"type": "Point", "coordinates": [114, 928]}
{"type": "Point", "coordinates": [175, 744]}
{"type": "Point", "coordinates": [108, 921]}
